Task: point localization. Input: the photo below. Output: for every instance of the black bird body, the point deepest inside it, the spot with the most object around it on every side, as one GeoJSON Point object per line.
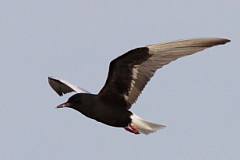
{"type": "Point", "coordinates": [128, 75]}
{"type": "Point", "coordinates": [94, 107]}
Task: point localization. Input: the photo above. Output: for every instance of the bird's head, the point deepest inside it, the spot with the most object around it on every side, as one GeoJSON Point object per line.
{"type": "Point", "coordinates": [72, 101]}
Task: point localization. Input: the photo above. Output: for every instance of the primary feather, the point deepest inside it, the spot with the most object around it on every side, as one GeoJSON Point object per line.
{"type": "Point", "coordinates": [129, 73]}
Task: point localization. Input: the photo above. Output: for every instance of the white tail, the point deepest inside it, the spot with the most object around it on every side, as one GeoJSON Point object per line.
{"type": "Point", "coordinates": [143, 126]}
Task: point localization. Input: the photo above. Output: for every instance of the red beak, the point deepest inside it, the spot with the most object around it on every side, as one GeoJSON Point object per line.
{"type": "Point", "coordinates": [64, 105]}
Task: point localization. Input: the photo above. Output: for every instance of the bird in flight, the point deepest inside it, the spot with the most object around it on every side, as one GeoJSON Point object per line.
{"type": "Point", "coordinates": [128, 75]}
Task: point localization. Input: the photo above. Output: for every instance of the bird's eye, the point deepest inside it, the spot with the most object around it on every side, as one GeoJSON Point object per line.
{"type": "Point", "coordinates": [77, 99]}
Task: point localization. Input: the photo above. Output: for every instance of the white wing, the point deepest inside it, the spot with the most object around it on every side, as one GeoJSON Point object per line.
{"type": "Point", "coordinates": [130, 72]}
{"type": "Point", "coordinates": [62, 87]}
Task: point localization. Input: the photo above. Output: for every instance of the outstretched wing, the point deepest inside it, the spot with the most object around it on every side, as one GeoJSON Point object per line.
{"type": "Point", "coordinates": [129, 73]}
{"type": "Point", "coordinates": [62, 87]}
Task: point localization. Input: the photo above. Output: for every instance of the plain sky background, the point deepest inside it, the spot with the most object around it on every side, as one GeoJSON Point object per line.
{"type": "Point", "coordinates": [196, 97]}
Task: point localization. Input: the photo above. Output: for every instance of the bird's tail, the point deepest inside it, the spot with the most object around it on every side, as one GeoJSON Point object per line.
{"type": "Point", "coordinates": [143, 126]}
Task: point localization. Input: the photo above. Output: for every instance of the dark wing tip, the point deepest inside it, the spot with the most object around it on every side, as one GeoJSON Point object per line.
{"type": "Point", "coordinates": [62, 86]}
{"type": "Point", "coordinates": [228, 40]}
{"type": "Point", "coordinates": [223, 40]}
{"type": "Point", "coordinates": [52, 82]}
{"type": "Point", "coordinates": [215, 41]}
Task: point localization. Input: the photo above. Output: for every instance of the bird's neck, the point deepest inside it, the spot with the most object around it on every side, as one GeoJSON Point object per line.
{"type": "Point", "coordinates": [87, 105]}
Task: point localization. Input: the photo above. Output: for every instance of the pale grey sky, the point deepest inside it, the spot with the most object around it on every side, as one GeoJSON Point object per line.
{"type": "Point", "coordinates": [196, 97]}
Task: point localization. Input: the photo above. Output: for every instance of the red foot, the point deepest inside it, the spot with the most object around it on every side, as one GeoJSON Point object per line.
{"type": "Point", "coordinates": [132, 129]}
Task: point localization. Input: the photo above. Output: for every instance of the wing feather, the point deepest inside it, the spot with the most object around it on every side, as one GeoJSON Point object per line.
{"type": "Point", "coordinates": [129, 73]}
{"type": "Point", "coordinates": [62, 86]}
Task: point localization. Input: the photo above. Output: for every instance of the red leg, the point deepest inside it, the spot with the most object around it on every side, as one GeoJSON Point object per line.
{"type": "Point", "coordinates": [132, 129]}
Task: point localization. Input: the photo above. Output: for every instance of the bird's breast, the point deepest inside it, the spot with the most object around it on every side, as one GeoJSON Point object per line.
{"type": "Point", "coordinates": [111, 115]}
